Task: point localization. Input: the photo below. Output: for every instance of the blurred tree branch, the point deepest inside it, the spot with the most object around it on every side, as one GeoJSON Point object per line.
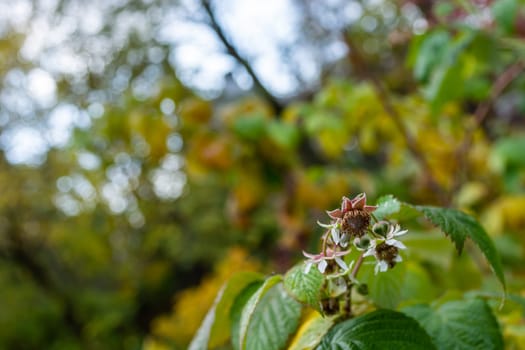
{"type": "Point", "coordinates": [358, 62]}
{"type": "Point", "coordinates": [480, 115]}
{"type": "Point", "coordinates": [234, 52]}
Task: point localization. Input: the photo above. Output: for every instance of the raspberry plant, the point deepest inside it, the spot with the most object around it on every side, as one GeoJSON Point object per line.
{"type": "Point", "coordinates": [325, 302]}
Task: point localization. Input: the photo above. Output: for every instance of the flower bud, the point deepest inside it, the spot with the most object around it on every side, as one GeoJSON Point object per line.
{"type": "Point", "coordinates": [381, 228]}
{"type": "Point", "coordinates": [362, 243]}
{"type": "Point", "coordinates": [362, 289]}
{"type": "Point", "coordinates": [343, 242]}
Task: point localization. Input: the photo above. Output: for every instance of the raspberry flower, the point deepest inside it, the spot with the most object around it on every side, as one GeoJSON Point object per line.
{"type": "Point", "coordinates": [386, 251]}
{"type": "Point", "coordinates": [358, 202]}
{"type": "Point", "coordinates": [321, 260]}
{"type": "Point", "coordinates": [335, 233]}
{"type": "Point", "coordinates": [351, 220]}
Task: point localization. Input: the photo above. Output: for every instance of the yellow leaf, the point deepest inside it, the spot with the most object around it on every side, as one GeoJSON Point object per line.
{"type": "Point", "coordinates": [310, 333]}
{"type": "Point", "coordinates": [192, 304]}
{"type": "Point", "coordinates": [195, 111]}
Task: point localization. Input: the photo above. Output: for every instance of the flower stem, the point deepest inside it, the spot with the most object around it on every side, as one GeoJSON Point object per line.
{"type": "Point", "coordinates": [357, 266]}
{"type": "Point", "coordinates": [348, 294]}
{"type": "Point", "coordinates": [325, 237]}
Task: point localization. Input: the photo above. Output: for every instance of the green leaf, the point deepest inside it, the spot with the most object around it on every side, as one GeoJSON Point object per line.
{"type": "Point", "coordinates": [505, 12]}
{"type": "Point", "coordinates": [250, 127]}
{"type": "Point", "coordinates": [443, 9]}
{"type": "Point", "coordinates": [507, 154]}
{"type": "Point", "coordinates": [510, 249]}
{"type": "Point", "coordinates": [275, 318]}
{"type": "Point", "coordinates": [506, 158]}
{"type": "Point", "coordinates": [243, 311]}
{"type": "Point", "coordinates": [285, 135]}
{"type": "Point", "coordinates": [418, 286]}
{"type": "Point", "coordinates": [511, 300]}
{"type": "Point", "coordinates": [431, 247]}
{"type": "Point", "coordinates": [386, 206]}
{"type": "Point", "coordinates": [518, 299]}
{"type": "Point", "coordinates": [311, 332]}
{"type": "Point", "coordinates": [446, 81]}
{"type": "Point", "coordinates": [384, 288]}
{"type": "Point", "coordinates": [458, 226]}
{"type": "Point", "coordinates": [390, 207]}
{"type": "Point", "coordinates": [304, 287]}
{"type": "Point", "coordinates": [215, 329]}
{"type": "Point", "coordinates": [444, 86]}
{"type": "Point", "coordinates": [237, 309]}
{"type": "Point", "coordinates": [381, 329]}
{"type": "Point", "coordinates": [430, 53]}
{"type": "Point", "coordinates": [465, 324]}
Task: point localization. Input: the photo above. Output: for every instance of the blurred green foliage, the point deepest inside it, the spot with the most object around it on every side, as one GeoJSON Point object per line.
{"type": "Point", "coordinates": [102, 254]}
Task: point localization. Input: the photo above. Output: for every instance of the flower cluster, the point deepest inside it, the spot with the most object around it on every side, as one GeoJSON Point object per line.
{"type": "Point", "coordinates": [352, 224]}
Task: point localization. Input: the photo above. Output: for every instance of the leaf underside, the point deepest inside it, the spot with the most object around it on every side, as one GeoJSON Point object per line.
{"type": "Point", "coordinates": [275, 319]}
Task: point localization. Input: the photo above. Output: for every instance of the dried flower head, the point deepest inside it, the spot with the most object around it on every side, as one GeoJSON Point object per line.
{"type": "Point", "coordinates": [353, 218]}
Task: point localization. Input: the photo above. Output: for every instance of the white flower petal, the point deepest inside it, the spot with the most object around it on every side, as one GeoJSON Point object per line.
{"type": "Point", "coordinates": [396, 243]}
{"type": "Point", "coordinates": [400, 233]}
{"type": "Point", "coordinates": [383, 266]}
{"type": "Point", "coordinates": [398, 258]}
{"type": "Point", "coordinates": [325, 225]}
{"type": "Point", "coordinates": [369, 252]}
{"type": "Point", "coordinates": [341, 263]}
{"type": "Point", "coordinates": [310, 256]}
{"type": "Point", "coordinates": [344, 239]}
{"type": "Point", "coordinates": [391, 230]}
{"type": "Point", "coordinates": [335, 235]}
{"type": "Point", "coordinates": [307, 267]}
{"type": "Point", "coordinates": [322, 266]}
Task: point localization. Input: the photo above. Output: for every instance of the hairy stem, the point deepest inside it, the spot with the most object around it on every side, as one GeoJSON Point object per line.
{"type": "Point", "coordinates": [348, 295]}
{"type": "Point", "coordinates": [357, 266]}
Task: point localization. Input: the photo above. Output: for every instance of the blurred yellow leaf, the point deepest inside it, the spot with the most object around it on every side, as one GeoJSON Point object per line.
{"type": "Point", "coordinates": [195, 111]}
{"type": "Point", "coordinates": [192, 304]}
